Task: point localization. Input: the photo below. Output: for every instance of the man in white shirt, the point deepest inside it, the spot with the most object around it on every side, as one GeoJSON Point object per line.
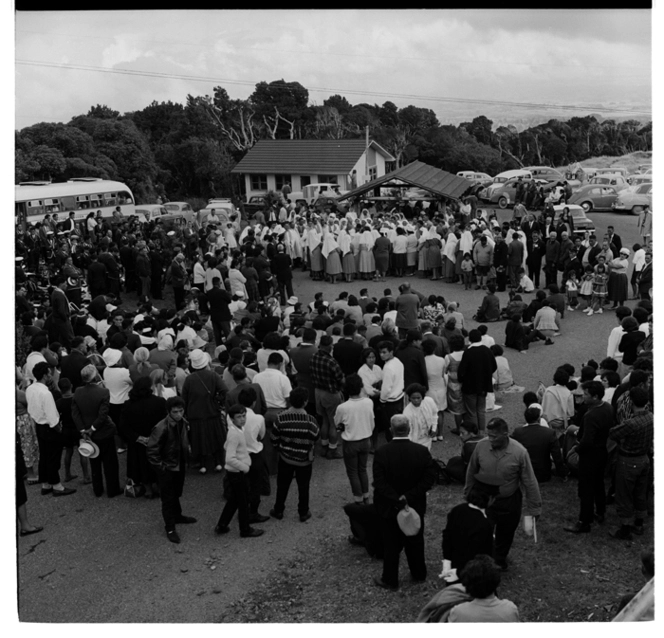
{"type": "Point", "coordinates": [42, 409]}
{"type": "Point", "coordinates": [254, 433]}
{"type": "Point", "coordinates": [617, 334]}
{"type": "Point", "coordinates": [276, 387]}
{"type": "Point", "coordinates": [355, 420]}
{"type": "Point", "coordinates": [392, 389]}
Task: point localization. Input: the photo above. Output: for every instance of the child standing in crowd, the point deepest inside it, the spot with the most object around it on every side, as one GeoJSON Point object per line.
{"type": "Point", "coordinates": [599, 290]}
{"type": "Point", "coordinates": [572, 288]}
{"type": "Point", "coordinates": [586, 290]}
{"type": "Point", "coordinates": [467, 270]}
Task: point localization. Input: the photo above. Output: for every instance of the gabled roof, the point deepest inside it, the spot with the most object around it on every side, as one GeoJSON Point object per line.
{"type": "Point", "coordinates": [305, 156]}
{"type": "Point", "coordinates": [420, 175]}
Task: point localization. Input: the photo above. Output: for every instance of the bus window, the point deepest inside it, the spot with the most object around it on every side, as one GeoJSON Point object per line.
{"type": "Point", "coordinates": [95, 200]}
{"type": "Point", "coordinates": [52, 206]}
{"type": "Point", "coordinates": [109, 199]}
{"type": "Point", "coordinates": [82, 202]}
{"type": "Point", "coordinates": [124, 198]}
{"type": "Point", "coordinates": [35, 207]}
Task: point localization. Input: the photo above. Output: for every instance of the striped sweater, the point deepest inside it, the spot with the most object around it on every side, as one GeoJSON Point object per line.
{"type": "Point", "coordinates": [294, 436]}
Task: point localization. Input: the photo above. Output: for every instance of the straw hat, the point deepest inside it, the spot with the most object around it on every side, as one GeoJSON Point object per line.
{"type": "Point", "coordinates": [89, 449]}
{"type": "Point", "coordinates": [198, 359]}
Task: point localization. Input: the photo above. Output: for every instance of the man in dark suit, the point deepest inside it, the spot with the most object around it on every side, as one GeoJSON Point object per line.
{"type": "Point", "coordinates": [348, 352]}
{"type": "Point", "coordinates": [614, 240]}
{"type": "Point", "coordinates": [403, 472]}
{"type": "Point", "coordinates": [89, 410]}
{"type": "Point", "coordinates": [542, 445]}
{"type": "Point", "coordinates": [476, 375]}
{"type": "Point", "coordinates": [74, 362]}
{"type": "Point", "coordinates": [282, 267]}
{"type": "Point", "coordinates": [61, 330]}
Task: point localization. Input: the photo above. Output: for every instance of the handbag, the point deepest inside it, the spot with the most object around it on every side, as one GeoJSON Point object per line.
{"type": "Point", "coordinates": [409, 521]}
{"type": "Point", "coordinates": [133, 490]}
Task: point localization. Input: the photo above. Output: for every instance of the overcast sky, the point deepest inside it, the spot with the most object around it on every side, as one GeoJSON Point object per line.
{"type": "Point", "coordinates": [553, 57]}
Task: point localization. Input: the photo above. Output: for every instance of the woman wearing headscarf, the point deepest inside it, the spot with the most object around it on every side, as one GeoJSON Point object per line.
{"type": "Point", "coordinates": [382, 248]}
{"type": "Point", "coordinates": [423, 254]}
{"type": "Point", "coordinates": [618, 285]}
{"type": "Point", "coordinates": [348, 259]}
{"type": "Point", "coordinates": [139, 415]}
{"type": "Point", "coordinates": [332, 255]}
{"type": "Point", "coordinates": [203, 393]}
{"type": "Point", "coordinates": [237, 279]}
{"type": "Point", "coordinates": [449, 252]}
{"type": "Point", "coordinates": [367, 265]}
{"type": "Point", "coordinates": [315, 246]}
{"type": "Point", "coordinates": [434, 260]}
{"type": "Point", "coordinates": [117, 381]}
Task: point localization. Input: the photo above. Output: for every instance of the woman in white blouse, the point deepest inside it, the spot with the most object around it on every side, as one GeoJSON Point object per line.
{"type": "Point", "coordinates": [371, 374]}
{"type": "Point", "coordinates": [422, 413]}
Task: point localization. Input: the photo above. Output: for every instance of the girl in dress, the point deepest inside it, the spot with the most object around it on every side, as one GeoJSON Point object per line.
{"type": "Point", "coordinates": [572, 289]}
{"type": "Point", "coordinates": [600, 280]}
{"type": "Point", "coordinates": [586, 290]}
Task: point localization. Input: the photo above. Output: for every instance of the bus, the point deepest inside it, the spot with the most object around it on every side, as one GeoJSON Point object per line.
{"type": "Point", "coordinates": [82, 195]}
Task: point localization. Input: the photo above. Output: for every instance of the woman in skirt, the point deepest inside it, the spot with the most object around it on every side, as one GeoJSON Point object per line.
{"type": "Point", "coordinates": [314, 244]}
{"type": "Point", "coordinates": [618, 284]}
{"type": "Point", "coordinates": [449, 252]}
{"type": "Point", "coordinates": [332, 255]}
{"type": "Point", "coordinates": [347, 259]}
{"type": "Point", "coordinates": [251, 275]}
{"type": "Point", "coordinates": [367, 265]}
{"type": "Point", "coordinates": [411, 252]}
{"type": "Point", "coordinates": [423, 252]}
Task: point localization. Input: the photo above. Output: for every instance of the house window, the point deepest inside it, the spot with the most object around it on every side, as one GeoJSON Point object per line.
{"type": "Point", "coordinates": [373, 172]}
{"type": "Point", "coordinates": [305, 180]}
{"type": "Point", "coordinates": [327, 179]}
{"type": "Point", "coordinates": [282, 180]}
{"type": "Point", "coordinates": [259, 182]}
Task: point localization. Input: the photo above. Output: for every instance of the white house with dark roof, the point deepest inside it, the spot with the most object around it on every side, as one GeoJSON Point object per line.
{"type": "Point", "coordinates": [270, 164]}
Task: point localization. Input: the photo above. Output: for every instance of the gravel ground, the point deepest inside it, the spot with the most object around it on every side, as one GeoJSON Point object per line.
{"type": "Point", "coordinates": [109, 561]}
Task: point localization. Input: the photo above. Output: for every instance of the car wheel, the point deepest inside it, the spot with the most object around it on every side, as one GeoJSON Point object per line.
{"type": "Point", "coordinates": [502, 202]}
{"type": "Point", "coordinates": [587, 206]}
{"type": "Point", "coordinates": [637, 210]}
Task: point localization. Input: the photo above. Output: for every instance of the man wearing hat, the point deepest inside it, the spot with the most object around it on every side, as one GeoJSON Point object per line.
{"type": "Point", "coordinates": [90, 411]}
{"type": "Point", "coordinates": [502, 461]}
{"type": "Point", "coordinates": [403, 472]}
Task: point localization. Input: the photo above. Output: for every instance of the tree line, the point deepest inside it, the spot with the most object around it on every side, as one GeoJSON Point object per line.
{"type": "Point", "coordinates": [186, 151]}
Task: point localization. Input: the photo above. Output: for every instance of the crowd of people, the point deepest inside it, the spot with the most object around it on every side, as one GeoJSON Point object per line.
{"type": "Point", "coordinates": [240, 377]}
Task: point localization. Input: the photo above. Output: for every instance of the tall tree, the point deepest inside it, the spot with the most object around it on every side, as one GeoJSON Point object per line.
{"type": "Point", "coordinates": [279, 105]}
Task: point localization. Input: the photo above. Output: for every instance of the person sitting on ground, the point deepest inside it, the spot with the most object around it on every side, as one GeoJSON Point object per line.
{"type": "Point", "coordinates": [503, 381]}
{"type": "Point", "coordinates": [481, 578]}
{"type": "Point", "coordinates": [530, 312]}
{"type": "Point", "coordinates": [547, 320]}
{"type": "Point", "coordinates": [490, 308]}
{"type": "Point", "coordinates": [516, 305]}
{"type": "Point", "coordinates": [648, 571]}
{"type": "Point", "coordinates": [457, 465]}
{"type": "Point", "coordinates": [519, 335]}
{"type": "Point", "coordinates": [525, 283]}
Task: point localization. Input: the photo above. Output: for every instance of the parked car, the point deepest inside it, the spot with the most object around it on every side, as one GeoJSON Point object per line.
{"type": "Point", "coordinates": [546, 172]}
{"type": "Point", "coordinates": [255, 203]}
{"type": "Point", "coordinates": [507, 175]}
{"type": "Point", "coordinates": [476, 177]}
{"type": "Point", "coordinates": [581, 222]}
{"type": "Point", "coordinates": [504, 194]}
{"type": "Point", "coordinates": [613, 170]}
{"type": "Point", "coordinates": [223, 208]}
{"type": "Point", "coordinates": [594, 197]}
{"type": "Point", "coordinates": [146, 212]}
{"type": "Point", "coordinates": [633, 199]}
{"type": "Point", "coordinates": [638, 179]}
{"type": "Point", "coordinates": [610, 179]}
{"type": "Point", "coordinates": [330, 204]}
{"type": "Point", "coordinates": [177, 211]}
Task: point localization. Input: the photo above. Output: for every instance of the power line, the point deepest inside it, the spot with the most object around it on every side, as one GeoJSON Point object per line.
{"type": "Point", "coordinates": [355, 55]}
{"type": "Point", "coordinates": [450, 100]}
